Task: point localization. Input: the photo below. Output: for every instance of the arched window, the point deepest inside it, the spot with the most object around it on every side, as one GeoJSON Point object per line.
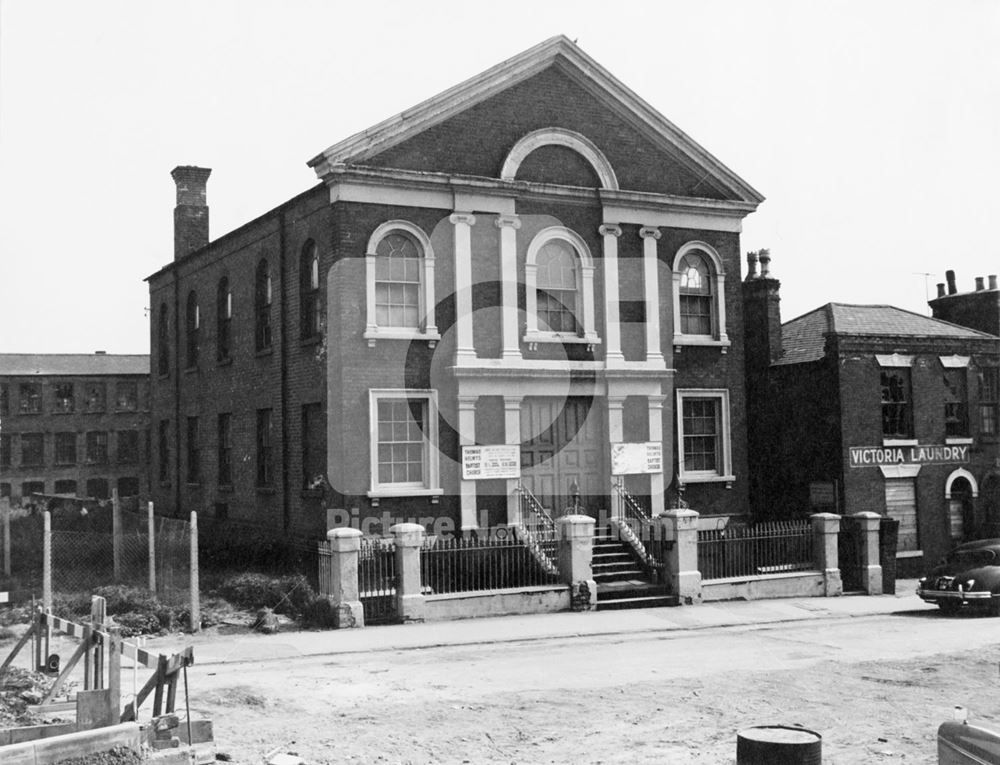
{"type": "Point", "coordinates": [309, 312]}
{"type": "Point", "coordinates": [163, 341]}
{"type": "Point", "coordinates": [399, 271]}
{"type": "Point", "coordinates": [699, 304]}
{"type": "Point", "coordinates": [223, 319]}
{"type": "Point", "coordinates": [192, 326]}
{"type": "Point", "coordinates": [559, 289]}
{"type": "Point", "coordinates": [262, 307]}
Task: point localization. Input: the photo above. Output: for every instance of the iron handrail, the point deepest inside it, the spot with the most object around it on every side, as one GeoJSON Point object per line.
{"type": "Point", "coordinates": [536, 528]}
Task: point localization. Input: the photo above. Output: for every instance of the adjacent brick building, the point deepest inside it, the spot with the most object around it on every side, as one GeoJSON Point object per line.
{"type": "Point", "coordinates": [534, 260]}
{"type": "Point", "coordinates": [74, 424]}
{"type": "Point", "coordinates": [870, 407]}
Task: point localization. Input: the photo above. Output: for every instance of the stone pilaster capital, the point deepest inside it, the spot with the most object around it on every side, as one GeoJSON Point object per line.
{"type": "Point", "coordinates": [507, 221]}
{"type": "Point", "coordinates": [467, 402]}
{"type": "Point", "coordinates": [650, 231]}
{"type": "Point", "coordinates": [462, 217]}
{"type": "Point", "coordinates": [511, 402]}
{"type": "Point", "coordinates": [615, 402]}
{"type": "Point", "coordinates": [610, 229]}
{"type": "Point", "coordinates": [656, 401]}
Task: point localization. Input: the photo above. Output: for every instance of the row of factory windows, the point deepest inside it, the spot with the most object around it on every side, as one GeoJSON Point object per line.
{"type": "Point", "coordinates": [66, 448]}
{"type": "Point", "coordinates": [897, 402]}
{"type": "Point", "coordinates": [93, 488]}
{"type": "Point", "coordinates": [69, 397]}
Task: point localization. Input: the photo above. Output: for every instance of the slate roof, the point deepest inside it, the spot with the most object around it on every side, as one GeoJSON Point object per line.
{"type": "Point", "coordinates": [65, 364]}
{"type": "Point", "coordinates": [803, 338]}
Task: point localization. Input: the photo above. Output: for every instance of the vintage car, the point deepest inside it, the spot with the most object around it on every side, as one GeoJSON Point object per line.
{"type": "Point", "coordinates": [962, 744]}
{"type": "Point", "coordinates": [968, 574]}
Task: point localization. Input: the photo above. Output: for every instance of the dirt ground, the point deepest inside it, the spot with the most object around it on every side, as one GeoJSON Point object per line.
{"type": "Point", "coordinates": [470, 705]}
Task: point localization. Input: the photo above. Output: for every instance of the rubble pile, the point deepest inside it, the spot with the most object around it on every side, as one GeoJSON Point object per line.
{"type": "Point", "coordinates": [19, 688]}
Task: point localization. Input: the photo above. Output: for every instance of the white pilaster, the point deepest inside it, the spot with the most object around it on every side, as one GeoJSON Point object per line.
{"type": "Point", "coordinates": [464, 346]}
{"type": "Point", "coordinates": [508, 225]}
{"type": "Point", "coordinates": [651, 288]}
{"type": "Point", "coordinates": [656, 481]}
{"type": "Point", "coordinates": [616, 434]}
{"type": "Point", "coordinates": [467, 437]}
{"type": "Point", "coordinates": [512, 435]}
{"type": "Point", "coordinates": [612, 320]}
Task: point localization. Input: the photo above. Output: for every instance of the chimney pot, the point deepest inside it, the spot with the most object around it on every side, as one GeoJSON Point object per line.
{"type": "Point", "coordinates": [765, 264]}
{"type": "Point", "coordinates": [940, 287]}
{"type": "Point", "coordinates": [979, 284]}
{"type": "Point", "coordinates": [993, 281]}
{"type": "Point", "coordinates": [751, 265]}
{"type": "Point", "coordinates": [950, 277]}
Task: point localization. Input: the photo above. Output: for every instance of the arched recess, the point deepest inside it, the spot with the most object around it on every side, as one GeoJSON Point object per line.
{"type": "Point", "coordinates": [560, 137]}
{"type": "Point", "coordinates": [955, 475]}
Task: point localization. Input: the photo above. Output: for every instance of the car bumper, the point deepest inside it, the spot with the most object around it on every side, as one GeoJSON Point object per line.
{"type": "Point", "coordinates": [935, 596]}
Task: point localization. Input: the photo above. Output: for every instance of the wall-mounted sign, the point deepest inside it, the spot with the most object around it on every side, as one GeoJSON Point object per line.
{"type": "Point", "coordinates": [822, 494]}
{"type": "Point", "coordinates": [491, 461]}
{"type": "Point", "coordinates": [877, 456]}
{"type": "Point", "coordinates": [633, 459]}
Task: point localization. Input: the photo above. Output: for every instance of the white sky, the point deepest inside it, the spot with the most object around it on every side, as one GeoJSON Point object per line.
{"type": "Point", "coordinates": [873, 129]}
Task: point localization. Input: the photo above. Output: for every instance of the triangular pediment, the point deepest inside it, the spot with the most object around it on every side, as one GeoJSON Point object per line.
{"type": "Point", "coordinates": [471, 128]}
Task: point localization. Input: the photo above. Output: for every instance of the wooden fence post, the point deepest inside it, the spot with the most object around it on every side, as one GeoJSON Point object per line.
{"type": "Point", "coordinates": [195, 618]}
{"type": "Point", "coordinates": [115, 672]}
{"type": "Point", "coordinates": [116, 534]}
{"type": "Point", "coordinates": [152, 551]}
{"type": "Point", "coordinates": [47, 562]}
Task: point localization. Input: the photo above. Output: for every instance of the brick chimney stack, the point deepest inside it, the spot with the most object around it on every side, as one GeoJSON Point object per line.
{"type": "Point", "coordinates": [191, 212]}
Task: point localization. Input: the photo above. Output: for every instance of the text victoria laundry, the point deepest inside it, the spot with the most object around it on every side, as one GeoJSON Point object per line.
{"type": "Point", "coordinates": [872, 456]}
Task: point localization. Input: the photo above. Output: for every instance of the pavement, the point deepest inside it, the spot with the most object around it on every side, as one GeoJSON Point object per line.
{"type": "Point", "coordinates": [214, 647]}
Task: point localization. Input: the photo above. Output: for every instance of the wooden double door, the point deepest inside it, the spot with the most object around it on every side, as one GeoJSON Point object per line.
{"type": "Point", "coordinates": [562, 445]}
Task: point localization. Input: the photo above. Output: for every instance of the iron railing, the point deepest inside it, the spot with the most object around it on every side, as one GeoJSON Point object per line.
{"type": "Point", "coordinates": [774, 547]}
{"type": "Point", "coordinates": [537, 530]}
{"type": "Point", "coordinates": [377, 580]}
{"type": "Point", "coordinates": [474, 564]}
{"type": "Point", "coordinates": [637, 529]}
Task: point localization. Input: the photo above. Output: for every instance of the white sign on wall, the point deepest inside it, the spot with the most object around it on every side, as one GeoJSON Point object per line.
{"type": "Point", "coordinates": [491, 461]}
{"type": "Point", "coordinates": [633, 459]}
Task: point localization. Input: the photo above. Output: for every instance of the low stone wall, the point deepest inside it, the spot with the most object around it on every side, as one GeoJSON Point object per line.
{"type": "Point", "coordinates": [798, 584]}
{"type": "Point", "coordinates": [527, 600]}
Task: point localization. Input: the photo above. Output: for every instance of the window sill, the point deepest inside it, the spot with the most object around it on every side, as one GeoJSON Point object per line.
{"type": "Point", "coordinates": [686, 478]}
{"type": "Point", "coordinates": [372, 335]}
{"type": "Point", "coordinates": [190, 370]}
{"type": "Point", "coordinates": [701, 341]}
{"type": "Point", "coordinates": [263, 352]}
{"type": "Point", "coordinates": [909, 554]}
{"type": "Point", "coordinates": [958, 440]}
{"type": "Point", "coordinates": [226, 362]}
{"type": "Point", "coordinates": [899, 442]}
{"type": "Point", "coordinates": [388, 493]}
{"type": "Point", "coordinates": [307, 341]}
{"type": "Point", "coordinates": [533, 338]}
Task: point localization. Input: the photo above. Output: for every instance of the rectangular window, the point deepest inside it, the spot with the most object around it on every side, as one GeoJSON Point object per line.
{"type": "Point", "coordinates": [225, 447]}
{"type": "Point", "coordinates": [127, 447]}
{"type": "Point", "coordinates": [32, 449]}
{"type": "Point", "coordinates": [313, 446]}
{"type": "Point", "coordinates": [97, 488]}
{"type": "Point", "coordinates": [127, 396]}
{"type": "Point", "coordinates": [901, 504]}
{"type": "Point", "coordinates": [193, 451]}
{"type": "Point", "coordinates": [5, 450]}
{"type": "Point", "coordinates": [5, 490]}
{"type": "Point", "coordinates": [163, 450]}
{"type": "Point", "coordinates": [705, 451]}
{"type": "Point", "coordinates": [989, 400]}
{"type": "Point", "coordinates": [65, 449]}
{"type": "Point", "coordinates": [265, 459]}
{"type": "Point", "coordinates": [4, 399]}
{"type": "Point", "coordinates": [696, 314]}
{"type": "Point", "coordinates": [404, 442]}
{"type": "Point", "coordinates": [32, 487]}
{"type": "Point", "coordinates": [31, 398]}
{"type": "Point", "coordinates": [66, 486]}
{"type": "Point", "coordinates": [897, 414]}
{"type": "Point", "coordinates": [96, 397]}
{"type": "Point", "coordinates": [956, 402]}
{"type": "Point", "coordinates": [64, 401]}
{"type": "Point", "coordinates": [97, 447]}
{"type": "Point", "coordinates": [128, 486]}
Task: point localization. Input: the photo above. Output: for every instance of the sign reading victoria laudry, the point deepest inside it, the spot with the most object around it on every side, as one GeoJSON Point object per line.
{"type": "Point", "coordinates": [932, 454]}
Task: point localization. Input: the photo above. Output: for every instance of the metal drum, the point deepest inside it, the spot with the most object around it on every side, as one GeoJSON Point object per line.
{"type": "Point", "coordinates": [778, 745]}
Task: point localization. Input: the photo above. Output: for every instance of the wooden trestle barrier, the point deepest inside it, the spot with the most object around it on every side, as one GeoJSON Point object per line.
{"type": "Point", "coordinates": [99, 705]}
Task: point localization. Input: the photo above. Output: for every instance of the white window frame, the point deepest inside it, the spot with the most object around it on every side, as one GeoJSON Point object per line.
{"type": "Point", "coordinates": [726, 448]}
{"type": "Point", "coordinates": [431, 487]}
{"type": "Point", "coordinates": [428, 330]}
{"type": "Point", "coordinates": [584, 290]}
{"type": "Point", "coordinates": [719, 338]}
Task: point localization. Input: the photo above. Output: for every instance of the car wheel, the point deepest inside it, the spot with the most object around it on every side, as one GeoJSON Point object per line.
{"type": "Point", "coordinates": [950, 606]}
